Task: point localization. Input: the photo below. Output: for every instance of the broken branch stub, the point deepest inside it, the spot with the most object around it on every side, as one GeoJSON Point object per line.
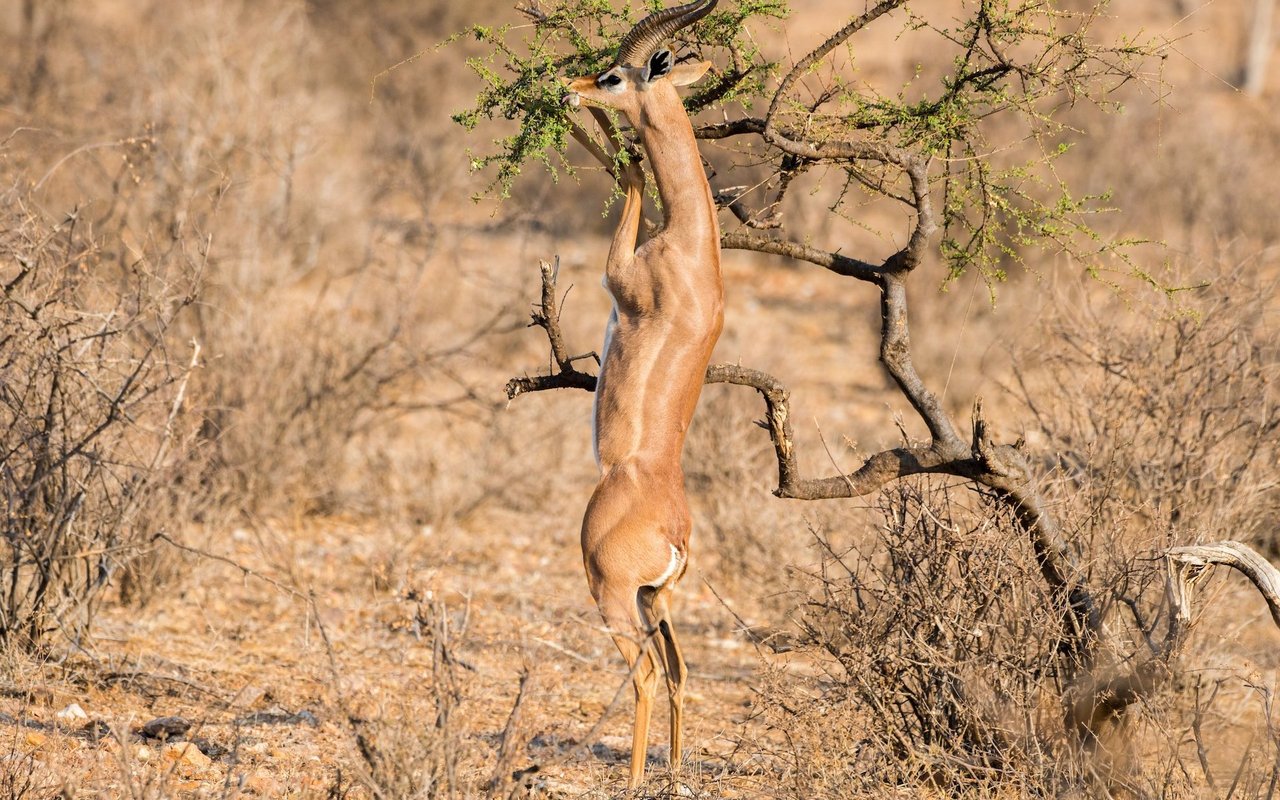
{"type": "Point", "coordinates": [1103, 696]}
{"type": "Point", "coordinates": [1244, 559]}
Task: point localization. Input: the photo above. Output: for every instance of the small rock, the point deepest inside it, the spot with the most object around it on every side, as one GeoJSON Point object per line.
{"type": "Point", "coordinates": [248, 697]}
{"type": "Point", "coordinates": [187, 753]}
{"type": "Point", "coordinates": [256, 749]}
{"type": "Point", "coordinates": [263, 786]}
{"type": "Point", "coordinates": [35, 738]}
{"type": "Point", "coordinates": [210, 749]}
{"type": "Point", "coordinates": [305, 717]}
{"type": "Point", "coordinates": [590, 709]}
{"type": "Point", "coordinates": [166, 728]}
{"type": "Point", "coordinates": [96, 730]}
{"type": "Point", "coordinates": [143, 753]}
{"type": "Point", "coordinates": [72, 713]}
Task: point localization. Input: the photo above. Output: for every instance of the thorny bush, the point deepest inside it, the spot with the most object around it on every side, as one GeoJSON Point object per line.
{"type": "Point", "coordinates": [90, 427]}
{"type": "Point", "coordinates": [934, 653]}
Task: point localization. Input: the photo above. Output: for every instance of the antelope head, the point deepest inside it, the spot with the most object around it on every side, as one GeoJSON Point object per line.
{"type": "Point", "coordinates": [642, 64]}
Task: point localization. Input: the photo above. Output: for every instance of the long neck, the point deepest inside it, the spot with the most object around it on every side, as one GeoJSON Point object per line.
{"type": "Point", "coordinates": [668, 141]}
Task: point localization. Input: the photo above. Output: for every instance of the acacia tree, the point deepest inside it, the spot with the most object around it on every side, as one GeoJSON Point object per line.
{"type": "Point", "coordinates": [968, 150]}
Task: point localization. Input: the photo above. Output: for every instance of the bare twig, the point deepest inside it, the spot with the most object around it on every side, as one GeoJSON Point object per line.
{"type": "Point", "coordinates": [246, 571]}
{"type": "Point", "coordinates": [512, 740]}
{"type": "Point", "coordinates": [836, 150]}
{"type": "Point", "coordinates": [547, 316]}
{"type": "Point", "coordinates": [1101, 697]}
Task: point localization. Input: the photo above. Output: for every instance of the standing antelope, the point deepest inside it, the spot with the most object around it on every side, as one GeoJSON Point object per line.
{"type": "Point", "coordinates": [667, 314]}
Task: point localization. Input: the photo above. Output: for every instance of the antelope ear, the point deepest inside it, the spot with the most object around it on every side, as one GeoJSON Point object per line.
{"type": "Point", "coordinates": [685, 74]}
{"type": "Point", "coordinates": [659, 65]}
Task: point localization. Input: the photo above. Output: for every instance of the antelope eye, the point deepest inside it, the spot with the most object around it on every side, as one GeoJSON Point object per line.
{"type": "Point", "coordinates": [609, 80]}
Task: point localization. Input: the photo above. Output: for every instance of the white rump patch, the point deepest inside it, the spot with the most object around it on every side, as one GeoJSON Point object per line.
{"type": "Point", "coordinates": [677, 562]}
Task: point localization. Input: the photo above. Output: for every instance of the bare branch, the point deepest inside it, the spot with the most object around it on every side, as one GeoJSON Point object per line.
{"type": "Point", "coordinates": [837, 263]}
{"type": "Point", "coordinates": [731, 199]}
{"type": "Point", "coordinates": [724, 84]}
{"type": "Point", "coordinates": [926, 223]}
{"type": "Point", "coordinates": [895, 353]}
{"type": "Point", "coordinates": [512, 740]}
{"type": "Point", "coordinates": [542, 383]}
{"type": "Point", "coordinates": [729, 128]}
{"type": "Point", "coordinates": [1103, 697]}
{"type": "Point", "coordinates": [1240, 557]}
{"type": "Point", "coordinates": [535, 13]}
{"type": "Point", "coordinates": [820, 52]}
{"type": "Point", "coordinates": [547, 316]}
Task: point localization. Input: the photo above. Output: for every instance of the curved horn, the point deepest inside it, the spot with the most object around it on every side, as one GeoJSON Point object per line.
{"type": "Point", "coordinates": [649, 33]}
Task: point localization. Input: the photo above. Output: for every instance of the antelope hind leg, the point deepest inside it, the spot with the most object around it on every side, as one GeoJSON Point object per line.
{"type": "Point", "coordinates": [667, 646]}
{"type": "Point", "coordinates": [622, 618]}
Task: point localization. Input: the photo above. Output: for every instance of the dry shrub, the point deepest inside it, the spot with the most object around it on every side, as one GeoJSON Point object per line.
{"type": "Point", "coordinates": [416, 754]}
{"type": "Point", "coordinates": [90, 409]}
{"type": "Point", "coordinates": [238, 138]}
{"type": "Point", "coordinates": [1164, 428]}
{"type": "Point", "coordinates": [934, 644]}
{"type": "Point", "coordinates": [309, 322]}
{"type": "Point", "coordinates": [326, 313]}
{"type": "Point", "coordinates": [403, 756]}
{"type": "Point", "coordinates": [290, 393]}
{"type": "Point", "coordinates": [17, 775]}
{"type": "Point", "coordinates": [938, 646]}
{"type": "Point", "coordinates": [1163, 421]}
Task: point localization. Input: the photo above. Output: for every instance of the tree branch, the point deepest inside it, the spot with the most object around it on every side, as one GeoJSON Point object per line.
{"type": "Point", "coordinates": [733, 127]}
{"type": "Point", "coordinates": [837, 263]}
{"type": "Point", "coordinates": [724, 84]}
{"type": "Point", "coordinates": [832, 150]}
{"type": "Point", "coordinates": [1103, 697]}
{"type": "Point", "coordinates": [1261, 573]}
{"type": "Point", "coordinates": [895, 354]}
{"type": "Point", "coordinates": [547, 316]}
